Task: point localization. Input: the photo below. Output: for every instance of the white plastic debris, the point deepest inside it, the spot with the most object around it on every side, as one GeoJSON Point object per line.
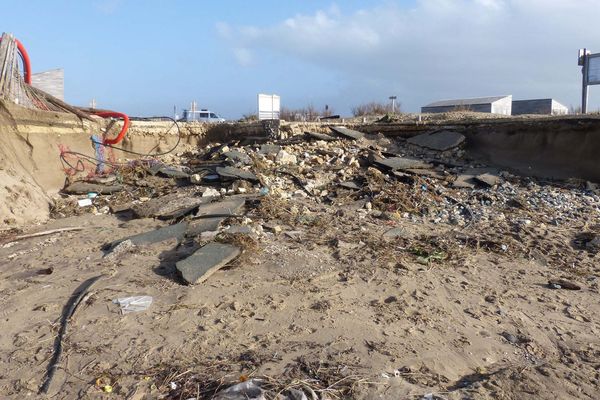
{"type": "Point", "coordinates": [248, 390]}
{"type": "Point", "coordinates": [84, 202]}
{"type": "Point", "coordinates": [133, 303]}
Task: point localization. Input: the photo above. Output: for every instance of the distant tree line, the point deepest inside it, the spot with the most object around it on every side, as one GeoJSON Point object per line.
{"type": "Point", "coordinates": [374, 108]}
{"type": "Point", "coordinates": [312, 113]}
{"type": "Point", "coordinates": [308, 113]}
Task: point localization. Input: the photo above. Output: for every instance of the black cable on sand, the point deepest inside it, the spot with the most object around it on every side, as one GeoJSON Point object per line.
{"type": "Point", "coordinates": [68, 312]}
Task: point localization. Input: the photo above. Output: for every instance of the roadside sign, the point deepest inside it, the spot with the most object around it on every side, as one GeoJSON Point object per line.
{"type": "Point", "coordinates": [590, 69]}
{"type": "Point", "coordinates": [593, 69]}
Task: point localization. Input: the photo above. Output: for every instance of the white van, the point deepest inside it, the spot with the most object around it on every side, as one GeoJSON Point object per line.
{"type": "Point", "coordinates": [203, 115]}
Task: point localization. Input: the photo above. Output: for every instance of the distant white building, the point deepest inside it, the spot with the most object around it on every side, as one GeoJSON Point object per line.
{"type": "Point", "coordinates": [51, 82]}
{"type": "Point", "coordinates": [538, 106]}
{"type": "Point", "coordinates": [494, 105]}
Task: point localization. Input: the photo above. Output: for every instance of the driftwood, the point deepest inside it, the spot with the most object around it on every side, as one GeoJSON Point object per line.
{"type": "Point", "coordinates": [50, 232]}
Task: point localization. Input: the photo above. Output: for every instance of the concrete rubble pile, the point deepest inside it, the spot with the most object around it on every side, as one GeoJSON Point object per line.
{"type": "Point", "coordinates": [335, 185]}
{"type": "Point", "coordinates": [367, 201]}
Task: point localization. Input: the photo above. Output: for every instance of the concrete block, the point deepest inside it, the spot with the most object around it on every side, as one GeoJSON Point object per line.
{"type": "Point", "coordinates": [206, 261]}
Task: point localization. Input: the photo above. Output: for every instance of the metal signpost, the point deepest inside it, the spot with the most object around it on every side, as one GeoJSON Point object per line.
{"type": "Point", "coordinates": [590, 68]}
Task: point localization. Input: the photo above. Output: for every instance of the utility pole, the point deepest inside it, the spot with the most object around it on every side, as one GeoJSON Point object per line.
{"type": "Point", "coordinates": [393, 99]}
{"type": "Point", "coordinates": [93, 104]}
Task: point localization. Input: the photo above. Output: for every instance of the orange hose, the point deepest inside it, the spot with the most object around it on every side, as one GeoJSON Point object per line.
{"type": "Point", "coordinates": [114, 114]}
{"type": "Point", "coordinates": [26, 62]}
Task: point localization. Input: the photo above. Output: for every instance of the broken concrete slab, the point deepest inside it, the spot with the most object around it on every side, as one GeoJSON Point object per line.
{"type": "Point", "coordinates": [319, 136]}
{"type": "Point", "coordinates": [352, 185]}
{"type": "Point", "coordinates": [221, 208]}
{"type": "Point", "coordinates": [200, 226]}
{"type": "Point", "coordinates": [465, 181]}
{"type": "Point", "coordinates": [427, 172]}
{"type": "Point", "coordinates": [269, 149]}
{"type": "Point", "coordinates": [439, 140]}
{"type": "Point", "coordinates": [173, 205]}
{"type": "Point", "coordinates": [167, 171]}
{"type": "Point", "coordinates": [238, 157]}
{"type": "Point", "coordinates": [236, 173]}
{"type": "Point", "coordinates": [180, 207]}
{"type": "Point", "coordinates": [176, 231]}
{"type": "Point", "coordinates": [347, 133]}
{"type": "Point", "coordinates": [403, 163]}
{"type": "Point", "coordinates": [206, 261]}
{"type": "Point", "coordinates": [489, 178]}
{"type": "Point", "coordinates": [477, 176]}
{"type": "Point", "coordinates": [86, 187]}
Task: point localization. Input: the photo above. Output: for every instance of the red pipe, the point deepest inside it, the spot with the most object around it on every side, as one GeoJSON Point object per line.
{"type": "Point", "coordinates": [26, 62]}
{"type": "Point", "coordinates": [114, 114]}
{"type": "Point", "coordinates": [106, 114]}
{"type": "Point", "coordinates": [25, 58]}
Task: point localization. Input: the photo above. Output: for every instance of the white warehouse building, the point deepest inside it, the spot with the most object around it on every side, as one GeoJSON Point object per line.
{"type": "Point", "coordinates": [494, 105]}
{"type": "Point", "coordinates": [538, 106]}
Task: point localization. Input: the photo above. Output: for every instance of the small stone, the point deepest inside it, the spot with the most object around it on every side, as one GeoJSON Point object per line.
{"type": "Point", "coordinates": [210, 192]}
{"type": "Point", "coordinates": [563, 284]}
{"type": "Point", "coordinates": [196, 179]}
{"type": "Point", "coordinates": [124, 247]}
{"type": "Point", "coordinates": [490, 298]}
{"type": "Point", "coordinates": [276, 229]}
{"type": "Point", "coordinates": [285, 158]}
{"type": "Point", "coordinates": [510, 338]}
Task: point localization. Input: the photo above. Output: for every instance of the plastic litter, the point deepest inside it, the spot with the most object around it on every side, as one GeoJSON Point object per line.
{"type": "Point", "coordinates": [84, 202]}
{"type": "Point", "coordinates": [133, 303]}
{"type": "Point", "coordinates": [248, 390]}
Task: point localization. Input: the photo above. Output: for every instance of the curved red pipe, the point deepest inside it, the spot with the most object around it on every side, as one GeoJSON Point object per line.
{"type": "Point", "coordinates": [114, 114]}
{"type": "Point", "coordinates": [26, 62]}
{"type": "Point", "coordinates": [104, 114]}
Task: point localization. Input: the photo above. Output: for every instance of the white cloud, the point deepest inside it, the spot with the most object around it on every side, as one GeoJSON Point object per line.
{"type": "Point", "coordinates": [243, 56]}
{"type": "Point", "coordinates": [438, 48]}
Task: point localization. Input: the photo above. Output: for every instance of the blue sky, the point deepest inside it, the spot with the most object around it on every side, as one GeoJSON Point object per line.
{"type": "Point", "coordinates": [144, 57]}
